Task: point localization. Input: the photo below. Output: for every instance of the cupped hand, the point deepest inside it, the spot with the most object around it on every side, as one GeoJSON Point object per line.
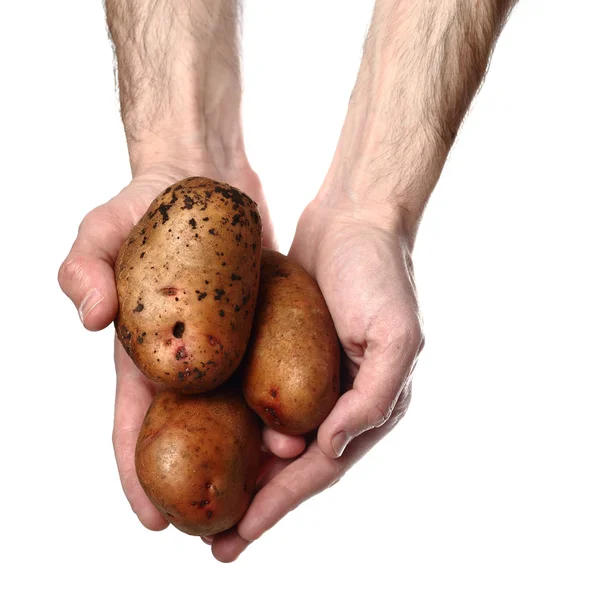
{"type": "Point", "coordinates": [87, 278]}
{"type": "Point", "coordinates": [363, 266]}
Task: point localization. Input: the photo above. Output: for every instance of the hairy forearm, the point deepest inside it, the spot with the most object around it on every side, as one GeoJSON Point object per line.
{"type": "Point", "coordinates": [423, 62]}
{"type": "Point", "coordinates": [179, 76]}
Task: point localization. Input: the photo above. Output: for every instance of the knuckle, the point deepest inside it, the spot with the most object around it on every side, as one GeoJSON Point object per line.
{"type": "Point", "coordinates": [86, 223]}
{"type": "Point", "coordinates": [72, 270]}
{"type": "Point", "coordinates": [401, 406]}
{"type": "Point", "coordinates": [411, 334]}
{"type": "Point", "coordinates": [90, 221]}
{"type": "Point", "coordinates": [117, 438]}
{"type": "Point", "coordinates": [105, 226]}
{"type": "Point", "coordinates": [103, 217]}
{"type": "Point", "coordinates": [378, 414]}
{"type": "Point", "coordinates": [339, 468]}
{"type": "Point", "coordinates": [336, 480]}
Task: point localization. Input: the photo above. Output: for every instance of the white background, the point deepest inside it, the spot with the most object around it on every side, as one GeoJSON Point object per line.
{"type": "Point", "coordinates": [489, 488]}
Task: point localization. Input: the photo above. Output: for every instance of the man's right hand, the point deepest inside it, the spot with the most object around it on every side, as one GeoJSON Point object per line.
{"type": "Point", "coordinates": [180, 90]}
{"type": "Point", "coordinates": [87, 278]}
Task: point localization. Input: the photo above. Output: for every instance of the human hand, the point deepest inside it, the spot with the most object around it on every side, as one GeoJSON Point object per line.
{"type": "Point", "coordinates": [87, 277]}
{"type": "Point", "coordinates": [180, 96]}
{"type": "Point", "coordinates": [364, 269]}
{"type": "Point", "coordinates": [412, 91]}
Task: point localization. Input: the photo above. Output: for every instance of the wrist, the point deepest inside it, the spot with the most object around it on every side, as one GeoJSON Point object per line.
{"type": "Point", "coordinates": [165, 162]}
{"type": "Point", "coordinates": [336, 207]}
{"type": "Point", "coordinates": [393, 200]}
{"type": "Point", "coordinates": [383, 178]}
{"type": "Point", "coordinates": [421, 66]}
{"type": "Point", "coordinates": [187, 146]}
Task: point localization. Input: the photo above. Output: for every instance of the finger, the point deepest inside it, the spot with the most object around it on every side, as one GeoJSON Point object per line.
{"type": "Point", "coordinates": [134, 396]}
{"type": "Point", "coordinates": [286, 488]}
{"type": "Point", "coordinates": [230, 544]}
{"type": "Point", "coordinates": [208, 539]}
{"type": "Point", "coordinates": [376, 389]}
{"type": "Point", "coordinates": [289, 483]}
{"type": "Point", "coordinates": [270, 470]}
{"type": "Point", "coordinates": [89, 282]}
{"type": "Point", "coordinates": [87, 274]}
{"type": "Point", "coordinates": [227, 546]}
{"type": "Point", "coordinates": [282, 445]}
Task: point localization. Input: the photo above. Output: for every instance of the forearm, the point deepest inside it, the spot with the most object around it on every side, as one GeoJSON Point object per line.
{"type": "Point", "coordinates": [179, 79]}
{"type": "Point", "coordinates": [423, 63]}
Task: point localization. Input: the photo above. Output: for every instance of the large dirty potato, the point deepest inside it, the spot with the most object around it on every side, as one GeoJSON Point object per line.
{"type": "Point", "coordinates": [291, 371]}
{"type": "Point", "coordinates": [197, 458]}
{"type": "Point", "coordinates": [187, 281]}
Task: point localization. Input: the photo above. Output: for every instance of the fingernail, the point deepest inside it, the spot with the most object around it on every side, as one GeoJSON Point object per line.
{"type": "Point", "coordinates": [339, 442]}
{"type": "Point", "coordinates": [89, 302]}
{"type": "Point", "coordinates": [207, 539]}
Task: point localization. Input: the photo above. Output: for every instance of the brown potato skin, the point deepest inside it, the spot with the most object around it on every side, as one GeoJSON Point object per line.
{"type": "Point", "coordinates": [197, 458]}
{"type": "Point", "coordinates": [187, 282]}
{"type": "Point", "coordinates": [291, 369]}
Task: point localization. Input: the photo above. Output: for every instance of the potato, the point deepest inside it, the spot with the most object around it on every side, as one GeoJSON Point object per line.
{"type": "Point", "coordinates": [187, 281]}
{"type": "Point", "coordinates": [291, 371]}
{"type": "Point", "coordinates": [197, 458]}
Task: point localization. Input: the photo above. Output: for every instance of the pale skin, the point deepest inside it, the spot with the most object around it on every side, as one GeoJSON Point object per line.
{"type": "Point", "coordinates": [180, 90]}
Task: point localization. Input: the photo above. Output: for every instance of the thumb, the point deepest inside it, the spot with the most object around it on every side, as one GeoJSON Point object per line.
{"type": "Point", "coordinates": [379, 384]}
{"type": "Point", "coordinates": [87, 274]}
{"type": "Point", "coordinates": [89, 282]}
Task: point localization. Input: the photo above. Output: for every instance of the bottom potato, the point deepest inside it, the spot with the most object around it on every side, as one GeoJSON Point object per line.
{"type": "Point", "coordinates": [197, 458]}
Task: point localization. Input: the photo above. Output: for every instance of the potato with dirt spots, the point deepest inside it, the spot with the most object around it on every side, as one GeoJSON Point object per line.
{"type": "Point", "coordinates": [187, 281]}
{"type": "Point", "coordinates": [291, 370]}
{"type": "Point", "coordinates": [197, 458]}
